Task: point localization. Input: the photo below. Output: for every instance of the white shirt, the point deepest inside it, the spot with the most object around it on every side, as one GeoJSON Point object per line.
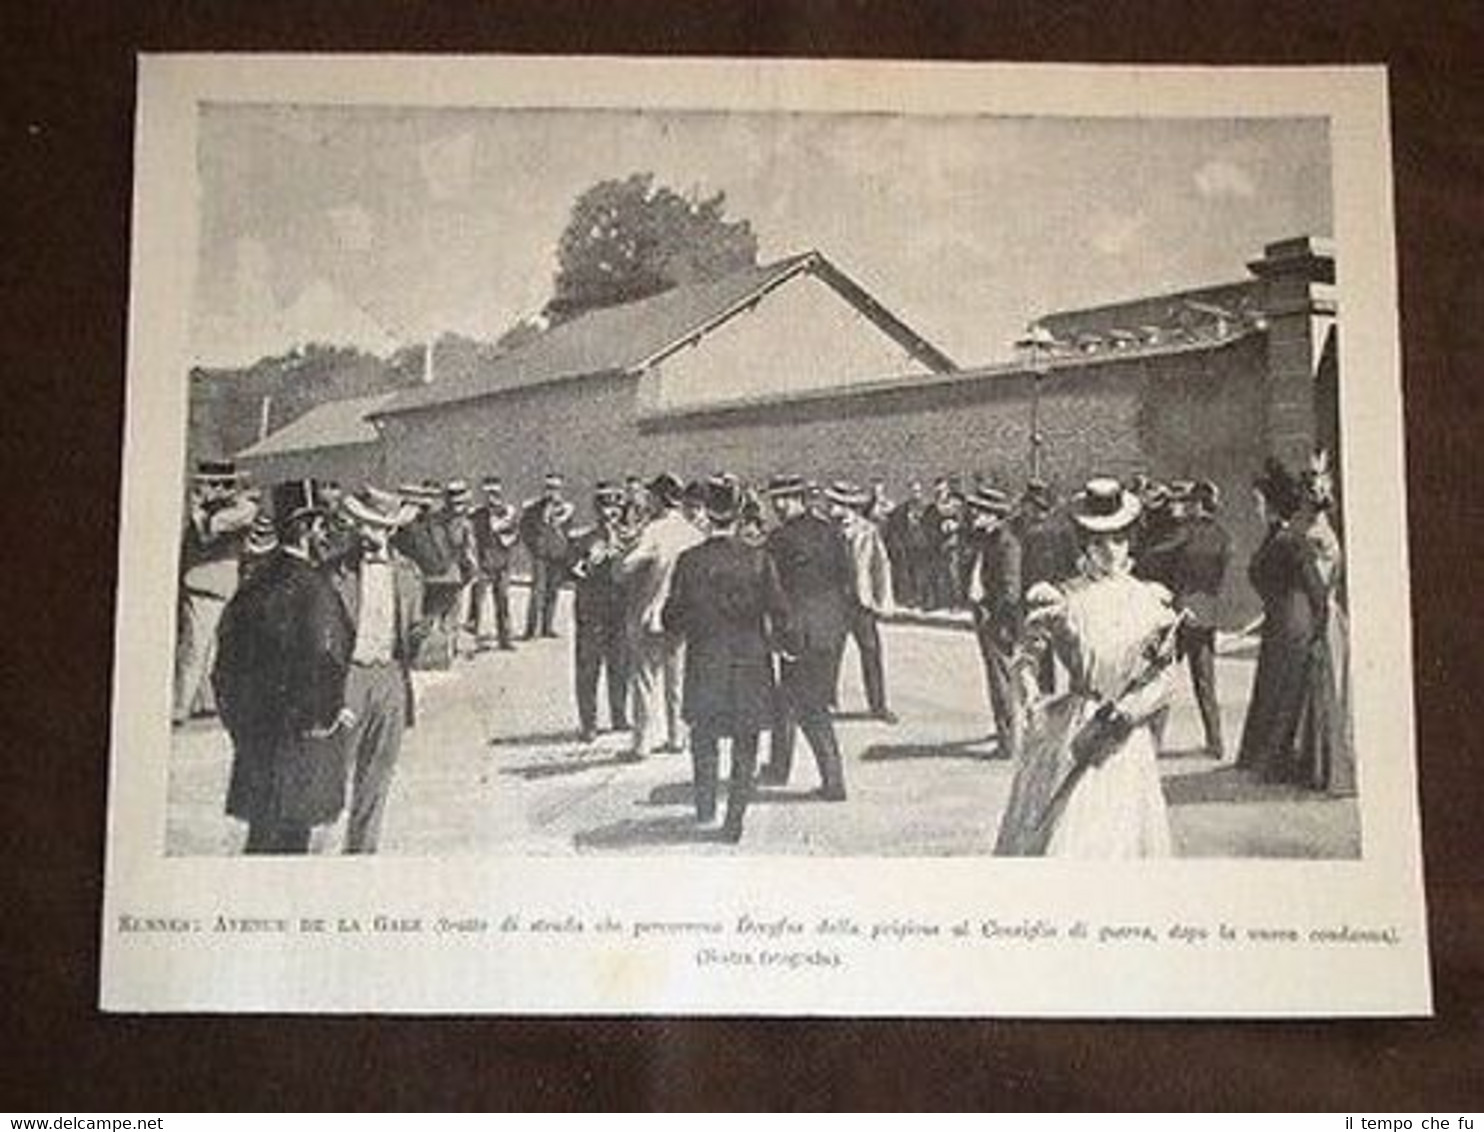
{"type": "Point", "coordinates": [376, 623]}
{"type": "Point", "coordinates": [651, 564]}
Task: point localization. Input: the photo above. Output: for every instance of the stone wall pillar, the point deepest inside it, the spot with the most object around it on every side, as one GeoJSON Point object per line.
{"type": "Point", "coordinates": [1297, 298]}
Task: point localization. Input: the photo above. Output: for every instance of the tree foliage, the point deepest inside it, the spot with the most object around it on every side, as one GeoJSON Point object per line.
{"type": "Point", "coordinates": [629, 238]}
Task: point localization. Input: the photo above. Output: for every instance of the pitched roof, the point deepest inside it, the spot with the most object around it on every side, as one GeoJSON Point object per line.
{"type": "Point", "coordinates": [331, 425]}
{"type": "Point", "coordinates": [635, 335]}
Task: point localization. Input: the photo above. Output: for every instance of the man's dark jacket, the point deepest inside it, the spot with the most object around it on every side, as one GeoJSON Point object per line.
{"type": "Point", "coordinates": [725, 600]}
{"type": "Point", "coordinates": [813, 567]}
{"type": "Point", "coordinates": [284, 649]}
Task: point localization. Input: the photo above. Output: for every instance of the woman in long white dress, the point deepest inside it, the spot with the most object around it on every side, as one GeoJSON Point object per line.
{"type": "Point", "coordinates": [1087, 783]}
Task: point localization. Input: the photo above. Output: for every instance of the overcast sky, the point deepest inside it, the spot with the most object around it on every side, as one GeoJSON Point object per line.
{"type": "Point", "coordinates": [379, 227]}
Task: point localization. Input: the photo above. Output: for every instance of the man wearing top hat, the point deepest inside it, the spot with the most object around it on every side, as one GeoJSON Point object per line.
{"type": "Point", "coordinates": [645, 572]}
{"type": "Point", "coordinates": [543, 530]}
{"type": "Point", "coordinates": [1197, 577]}
{"type": "Point", "coordinates": [870, 587]}
{"type": "Point", "coordinates": [496, 531]}
{"type": "Point", "coordinates": [813, 567]}
{"type": "Point", "coordinates": [996, 591]}
{"type": "Point", "coordinates": [726, 603]}
{"type": "Point", "coordinates": [283, 655]}
{"type": "Point", "coordinates": [218, 517]}
{"type": "Point", "coordinates": [382, 597]}
{"type": "Point", "coordinates": [598, 609]}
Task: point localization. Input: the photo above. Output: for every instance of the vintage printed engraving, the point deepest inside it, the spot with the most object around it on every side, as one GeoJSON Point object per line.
{"type": "Point", "coordinates": [793, 537]}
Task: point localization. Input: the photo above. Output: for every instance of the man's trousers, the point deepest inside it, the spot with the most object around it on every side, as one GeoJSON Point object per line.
{"type": "Point", "coordinates": [195, 650]}
{"type": "Point", "coordinates": [377, 694]}
{"type": "Point", "coordinates": [865, 632]}
{"type": "Point", "coordinates": [1004, 694]}
{"type": "Point", "coordinates": [492, 610]}
{"type": "Point", "coordinates": [706, 758]}
{"type": "Point", "coordinates": [655, 672]}
{"type": "Point", "coordinates": [546, 580]}
{"type": "Point", "coordinates": [602, 645]}
{"type": "Point", "coordinates": [1199, 644]}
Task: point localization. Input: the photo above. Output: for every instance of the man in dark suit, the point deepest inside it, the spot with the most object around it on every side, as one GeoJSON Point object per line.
{"type": "Point", "coordinates": [725, 601]}
{"type": "Point", "coordinates": [601, 632]}
{"type": "Point", "coordinates": [814, 570]}
{"type": "Point", "coordinates": [907, 546]}
{"type": "Point", "coordinates": [943, 521]}
{"type": "Point", "coordinates": [996, 592]}
{"type": "Point", "coordinates": [382, 595]}
{"type": "Point", "coordinates": [496, 531]}
{"type": "Point", "coordinates": [543, 529]}
{"type": "Point", "coordinates": [283, 652]}
{"type": "Point", "coordinates": [1198, 575]}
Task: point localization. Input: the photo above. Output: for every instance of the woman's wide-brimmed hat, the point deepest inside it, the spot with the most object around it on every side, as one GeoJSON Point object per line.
{"type": "Point", "coordinates": [378, 508]}
{"type": "Point", "coordinates": [1104, 505]}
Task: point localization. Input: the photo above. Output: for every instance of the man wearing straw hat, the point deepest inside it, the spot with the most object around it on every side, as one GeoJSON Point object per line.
{"type": "Point", "coordinates": [282, 658]}
{"type": "Point", "coordinates": [543, 529]}
{"type": "Point", "coordinates": [654, 653]}
{"type": "Point", "coordinates": [870, 587]}
{"type": "Point", "coordinates": [219, 515]}
{"type": "Point", "coordinates": [382, 595]}
{"type": "Point", "coordinates": [496, 531]}
{"type": "Point", "coordinates": [599, 628]}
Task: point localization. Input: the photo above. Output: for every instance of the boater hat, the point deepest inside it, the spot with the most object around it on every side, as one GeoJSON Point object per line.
{"type": "Point", "coordinates": [377, 508]}
{"type": "Point", "coordinates": [782, 485]}
{"type": "Point", "coordinates": [459, 495]}
{"type": "Point", "coordinates": [846, 494]}
{"type": "Point", "coordinates": [989, 500]}
{"type": "Point", "coordinates": [606, 493]}
{"type": "Point", "coordinates": [1104, 505]}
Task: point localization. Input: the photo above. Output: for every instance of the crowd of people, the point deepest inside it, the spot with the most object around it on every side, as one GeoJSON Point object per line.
{"type": "Point", "coordinates": [714, 611]}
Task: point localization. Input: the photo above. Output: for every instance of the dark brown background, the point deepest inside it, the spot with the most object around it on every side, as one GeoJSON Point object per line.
{"type": "Point", "coordinates": [67, 76]}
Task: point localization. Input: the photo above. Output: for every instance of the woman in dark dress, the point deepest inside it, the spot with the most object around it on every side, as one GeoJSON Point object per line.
{"type": "Point", "coordinates": [1291, 733]}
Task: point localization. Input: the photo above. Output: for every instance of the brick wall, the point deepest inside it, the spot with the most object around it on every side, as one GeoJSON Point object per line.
{"type": "Point", "coordinates": [1191, 414]}
{"type": "Point", "coordinates": [583, 428]}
